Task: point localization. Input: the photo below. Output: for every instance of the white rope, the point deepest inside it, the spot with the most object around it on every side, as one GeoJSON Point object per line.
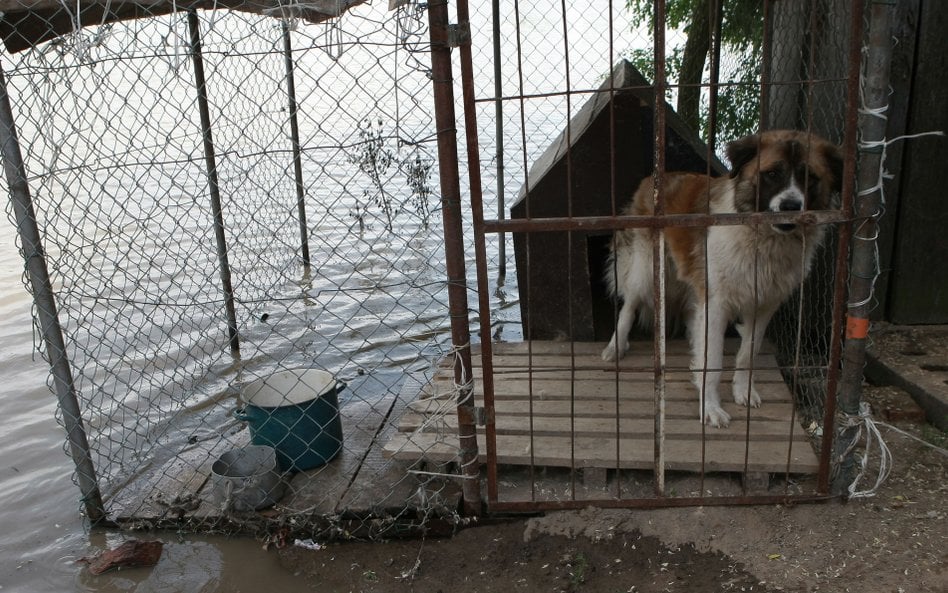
{"type": "Point", "coordinates": [939, 450]}
{"type": "Point", "coordinates": [864, 422]}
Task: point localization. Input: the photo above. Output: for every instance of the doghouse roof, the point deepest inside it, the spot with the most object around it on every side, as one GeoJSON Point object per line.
{"type": "Point", "coordinates": [25, 23]}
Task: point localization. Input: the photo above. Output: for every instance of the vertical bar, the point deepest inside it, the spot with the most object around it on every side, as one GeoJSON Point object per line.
{"type": "Point", "coordinates": [442, 80]}
{"type": "Point", "coordinates": [295, 138]}
{"type": "Point", "coordinates": [842, 253]}
{"type": "Point", "coordinates": [864, 263]}
{"type": "Point", "coordinates": [658, 249]}
{"type": "Point", "coordinates": [38, 274]}
{"type": "Point", "coordinates": [499, 134]}
{"type": "Point", "coordinates": [212, 181]}
{"type": "Point", "coordinates": [766, 64]}
{"type": "Point", "coordinates": [480, 247]}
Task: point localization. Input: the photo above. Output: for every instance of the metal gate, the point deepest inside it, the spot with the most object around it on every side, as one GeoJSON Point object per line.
{"type": "Point", "coordinates": [561, 426]}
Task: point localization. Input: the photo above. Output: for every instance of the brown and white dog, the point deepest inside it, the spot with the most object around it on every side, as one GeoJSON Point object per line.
{"type": "Point", "coordinates": [727, 273]}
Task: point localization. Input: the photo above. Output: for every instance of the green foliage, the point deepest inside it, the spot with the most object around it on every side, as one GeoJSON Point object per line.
{"type": "Point", "coordinates": [738, 106]}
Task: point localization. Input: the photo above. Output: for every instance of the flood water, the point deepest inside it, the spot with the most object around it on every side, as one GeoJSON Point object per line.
{"type": "Point", "coordinates": [43, 533]}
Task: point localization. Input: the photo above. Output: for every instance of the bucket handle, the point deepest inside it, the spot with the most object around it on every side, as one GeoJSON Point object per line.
{"type": "Point", "coordinates": [340, 385]}
{"type": "Point", "coordinates": [241, 414]}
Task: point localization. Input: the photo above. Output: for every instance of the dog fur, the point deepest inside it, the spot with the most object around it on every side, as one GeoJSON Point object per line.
{"type": "Point", "coordinates": [727, 273]}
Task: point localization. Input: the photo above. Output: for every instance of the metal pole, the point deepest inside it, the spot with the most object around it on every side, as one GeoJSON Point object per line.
{"type": "Point", "coordinates": [212, 181]}
{"type": "Point", "coordinates": [658, 249]}
{"type": "Point", "coordinates": [442, 83]}
{"type": "Point", "coordinates": [865, 265]}
{"type": "Point", "coordinates": [295, 137]}
{"type": "Point", "coordinates": [499, 133]}
{"type": "Point", "coordinates": [38, 274]}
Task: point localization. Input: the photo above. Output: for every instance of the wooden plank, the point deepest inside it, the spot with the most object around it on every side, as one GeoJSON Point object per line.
{"type": "Point", "coordinates": [607, 409]}
{"type": "Point", "coordinates": [760, 428]}
{"type": "Point", "coordinates": [558, 451]}
{"type": "Point", "coordinates": [322, 490]}
{"type": "Point", "coordinates": [640, 347]}
{"type": "Point", "coordinates": [176, 488]}
{"type": "Point", "coordinates": [545, 387]}
{"type": "Point", "coordinates": [384, 485]}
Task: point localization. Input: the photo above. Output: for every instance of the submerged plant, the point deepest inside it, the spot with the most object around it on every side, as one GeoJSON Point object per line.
{"type": "Point", "coordinates": [417, 173]}
{"type": "Point", "coordinates": [374, 159]}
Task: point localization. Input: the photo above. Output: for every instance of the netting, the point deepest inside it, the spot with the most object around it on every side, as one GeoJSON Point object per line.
{"type": "Point", "coordinates": [116, 155]}
{"type": "Point", "coordinates": [229, 199]}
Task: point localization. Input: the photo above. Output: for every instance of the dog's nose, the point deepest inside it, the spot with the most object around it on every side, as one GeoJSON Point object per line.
{"type": "Point", "coordinates": [790, 205]}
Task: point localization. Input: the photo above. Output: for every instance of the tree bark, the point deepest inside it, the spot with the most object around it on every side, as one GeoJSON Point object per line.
{"type": "Point", "coordinates": [692, 64]}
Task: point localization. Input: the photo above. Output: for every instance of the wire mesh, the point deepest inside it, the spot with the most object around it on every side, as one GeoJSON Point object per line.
{"type": "Point", "coordinates": [122, 174]}
{"type": "Point", "coordinates": [116, 158]}
{"type": "Point", "coordinates": [565, 147]}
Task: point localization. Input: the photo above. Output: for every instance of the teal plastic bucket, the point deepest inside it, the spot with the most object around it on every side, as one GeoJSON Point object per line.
{"type": "Point", "coordinates": [297, 413]}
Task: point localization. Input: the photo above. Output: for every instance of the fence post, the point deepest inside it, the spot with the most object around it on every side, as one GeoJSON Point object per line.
{"type": "Point", "coordinates": [864, 267]}
{"type": "Point", "coordinates": [295, 137]}
{"type": "Point", "coordinates": [442, 84]}
{"type": "Point", "coordinates": [499, 133]}
{"type": "Point", "coordinates": [46, 312]}
{"type": "Point", "coordinates": [212, 181]}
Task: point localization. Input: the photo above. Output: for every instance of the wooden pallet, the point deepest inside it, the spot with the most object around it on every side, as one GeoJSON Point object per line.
{"type": "Point", "coordinates": [558, 404]}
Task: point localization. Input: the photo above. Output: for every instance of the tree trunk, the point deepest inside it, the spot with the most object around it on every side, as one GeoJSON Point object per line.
{"type": "Point", "coordinates": [692, 65]}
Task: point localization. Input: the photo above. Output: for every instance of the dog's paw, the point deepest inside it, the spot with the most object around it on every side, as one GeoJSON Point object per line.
{"type": "Point", "coordinates": [716, 416]}
{"type": "Point", "coordinates": [611, 355]}
{"type": "Point", "coordinates": [741, 399]}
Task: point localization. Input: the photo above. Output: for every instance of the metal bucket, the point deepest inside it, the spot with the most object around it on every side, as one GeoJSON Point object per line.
{"type": "Point", "coordinates": [247, 479]}
{"type": "Point", "coordinates": [297, 413]}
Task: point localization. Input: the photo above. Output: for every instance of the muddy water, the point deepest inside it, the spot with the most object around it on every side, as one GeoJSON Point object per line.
{"type": "Point", "coordinates": [42, 533]}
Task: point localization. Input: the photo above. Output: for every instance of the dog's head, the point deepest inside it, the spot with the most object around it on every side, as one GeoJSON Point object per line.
{"type": "Point", "coordinates": [784, 171]}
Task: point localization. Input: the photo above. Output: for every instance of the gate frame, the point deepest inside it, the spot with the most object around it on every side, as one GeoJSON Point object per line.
{"type": "Point", "coordinates": [843, 218]}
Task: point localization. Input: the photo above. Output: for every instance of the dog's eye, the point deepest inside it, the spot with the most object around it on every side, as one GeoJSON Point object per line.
{"type": "Point", "coordinates": [771, 175]}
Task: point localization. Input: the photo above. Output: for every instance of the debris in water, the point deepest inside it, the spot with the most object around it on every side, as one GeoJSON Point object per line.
{"type": "Point", "coordinates": [307, 544]}
{"type": "Point", "coordinates": [132, 552]}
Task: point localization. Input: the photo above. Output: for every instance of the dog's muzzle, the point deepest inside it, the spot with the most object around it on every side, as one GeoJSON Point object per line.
{"type": "Point", "coordinates": [788, 205]}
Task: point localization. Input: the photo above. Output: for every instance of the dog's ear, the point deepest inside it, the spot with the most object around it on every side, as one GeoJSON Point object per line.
{"type": "Point", "coordinates": [740, 152]}
{"type": "Point", "coordinates": [834, 159]}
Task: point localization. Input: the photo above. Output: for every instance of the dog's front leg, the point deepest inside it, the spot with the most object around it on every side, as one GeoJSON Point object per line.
{"type": "Point", "coordinates": [707, 356]}
{"type": "Point", "coordinates": [619, 344]}
{"type": "Point", "coordinates": [752, 329]}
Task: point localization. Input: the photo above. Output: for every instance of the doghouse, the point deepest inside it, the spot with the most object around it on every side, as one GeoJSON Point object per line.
{"type": "Point", "coordinates": [562, 295]}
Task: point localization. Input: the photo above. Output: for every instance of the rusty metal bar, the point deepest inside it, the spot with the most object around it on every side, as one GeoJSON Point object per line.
{"type": "Point", "coordinates": [46, 311]}
{"type": "Point", "coordinates": [498, 134]}
{"type": "Point", "coordinates": [591, 91]}
{"type": "Point", "coordinates": [442, 83]}
{"type": "Point", "coordinates": [609, 223]}
{"type": "Point", "coordinates": [212, 181]}
{"type": "Point", "coordinates": [528, 289]}
{"type": "Point", "coordinates": [659, 502]}
{"type": "Point", "coordinates": [864, 261]}
{"type": "Point", "coordinates": [295, 139]}
{"type": "Point", "coordinates": [766, 63]}
{"type": "Point", "coordinates": [842, 253]}
{"type": "Point", "coordinates": [480, 247]}
{"type": "Point", "coordinates": [658, 249]}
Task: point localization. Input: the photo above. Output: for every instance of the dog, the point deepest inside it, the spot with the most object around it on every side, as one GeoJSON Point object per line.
{"type": "Point", "coordinates": [726, 274]}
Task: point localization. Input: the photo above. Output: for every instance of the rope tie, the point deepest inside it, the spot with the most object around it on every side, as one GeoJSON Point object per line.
{"type": "Point", "coordinates": [863, 423]}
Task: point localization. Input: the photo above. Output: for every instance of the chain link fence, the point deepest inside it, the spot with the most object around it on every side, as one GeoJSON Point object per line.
{"type": "Point", "coordinates": [297, 226]}
{"type": "Point", "coordinates": [229, 197]}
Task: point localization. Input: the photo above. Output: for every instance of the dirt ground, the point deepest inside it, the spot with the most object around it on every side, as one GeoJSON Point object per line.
{"type": "Point", "coordinates": [896, 541]}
